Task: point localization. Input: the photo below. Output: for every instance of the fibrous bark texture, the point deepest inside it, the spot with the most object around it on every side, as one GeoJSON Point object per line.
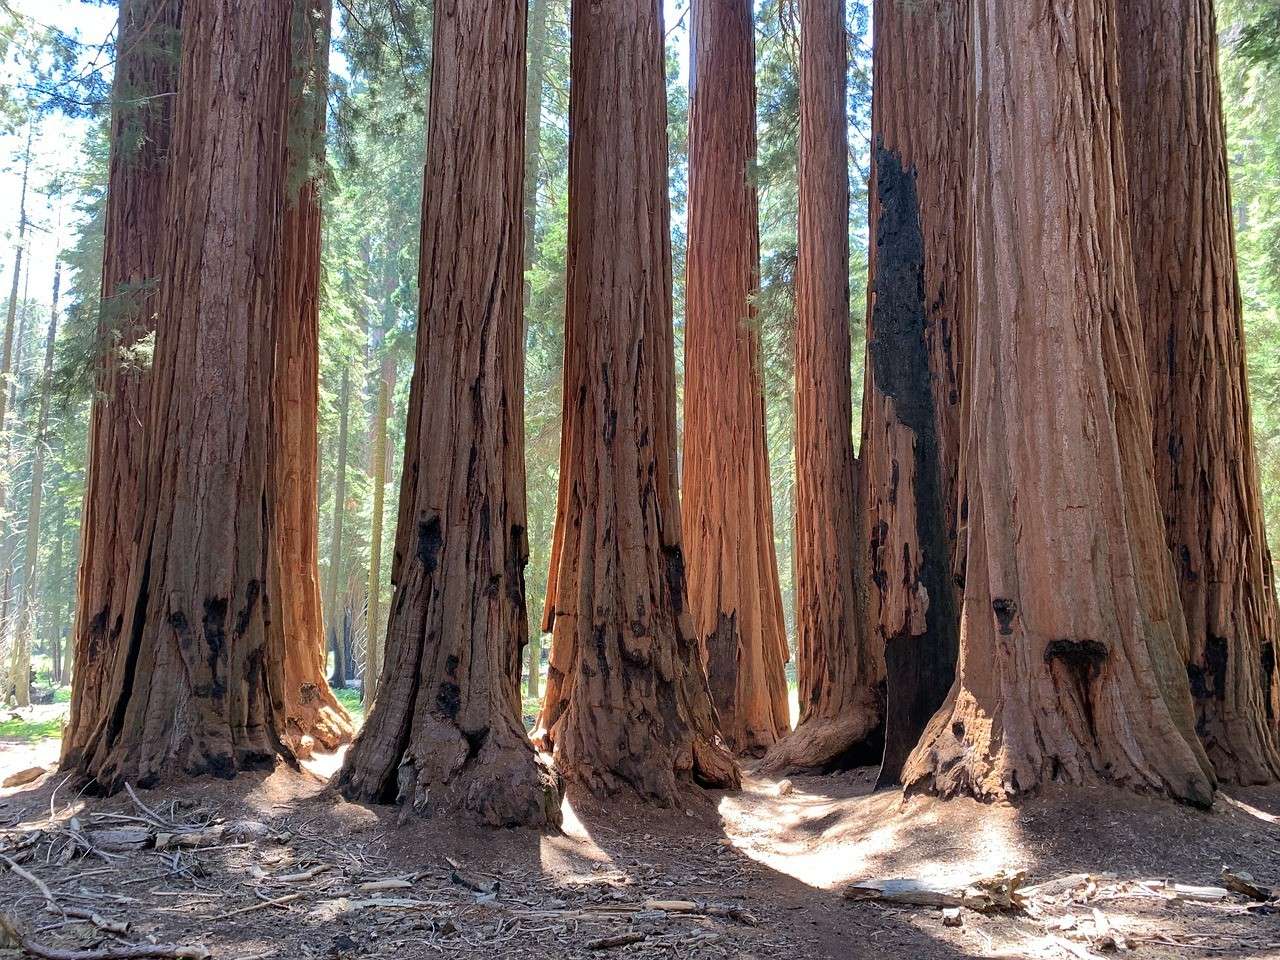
{"type": "Point", "coordinates": [1070, 623]}
{"type": "Point", "coordinates": [627, 703]}
{"type": "Point", "coordinates": [727, 509]}
{"type": "Point", "coordinates": [146, 78]}
{"type": "Point", "coordinates": [311, 710]}
{"type": "Point", "coordinates": [1206, 468]}
{"type": "Point", "coordinates": [446, 729]}
{"type": "Point", "coordinates": [197, 683]}
{"type": "Point", "coordinates": [918, 310]}
{"type": "Point", "coordinates": [839, 671]}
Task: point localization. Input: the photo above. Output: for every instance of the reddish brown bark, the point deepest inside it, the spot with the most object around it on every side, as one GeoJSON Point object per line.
{"type": "Point", "coordinates": [197, 684]}
{"type": "Point", "coordinates": [446, 730]}
{"type": "Point", "coordinates": [145, 80]}
{"type": "Point", "coordinates": [1206, 468]}
{"type": "Point", "coordinates": [1070, 625]}
{"type": "Point", "coordinates": [312, 713]}
{"type": "Point", "coordinates": [840, 673]}
{"type": "Point", "coordinates": [726, 505]}
{"type": "Point", "coordinates": [918, 311]}
{"type": "Point", "coordinates": [627, 703]}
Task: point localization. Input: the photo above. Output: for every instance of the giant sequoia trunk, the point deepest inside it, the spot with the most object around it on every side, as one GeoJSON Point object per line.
{"type": "Point", "coordinates": [311, 710]}
{"type": "Point", "coordinates": [1206, 469]}
{"type": "Point", "coordinates": [627, 703]}
{"type": "Point", "coordinates": [839, 671]}
{"type": "Point", "coordinates": [1070, 626]}
{"type": "Point", "coordinates": [727, 509]}
{"type": "Point", "coordinates": [446, 730]}
{"type": "Point", "coordinates": [918, 314]}
{"type": "Point", "coordinates": [145, 80]}
{"type": "Point", "coordinates": [197, 684]}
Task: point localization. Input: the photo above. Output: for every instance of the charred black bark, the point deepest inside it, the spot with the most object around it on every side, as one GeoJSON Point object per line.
{"type": "Point", "coordinates": [919, 668]}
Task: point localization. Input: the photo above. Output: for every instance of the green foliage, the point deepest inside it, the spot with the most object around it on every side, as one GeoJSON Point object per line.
{"type": "Point", "coordinates": [1251, 95]}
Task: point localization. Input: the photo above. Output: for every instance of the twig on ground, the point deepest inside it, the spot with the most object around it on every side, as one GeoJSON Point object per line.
{"type": "Point", "coordinates": [125, 952]}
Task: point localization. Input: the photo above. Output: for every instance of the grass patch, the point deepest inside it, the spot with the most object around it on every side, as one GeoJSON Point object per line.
{"type": "Point", "coordinates": [350, 700]}
{"type": "Point", "coordinates": [31, 730]}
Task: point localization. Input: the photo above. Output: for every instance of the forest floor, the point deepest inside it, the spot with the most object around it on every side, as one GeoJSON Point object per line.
{"type": "Point", "coordinates": [283, 868]}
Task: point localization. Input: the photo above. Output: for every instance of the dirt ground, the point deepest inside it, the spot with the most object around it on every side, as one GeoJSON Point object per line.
{"type": "Point", "coordinates": [283, 868]}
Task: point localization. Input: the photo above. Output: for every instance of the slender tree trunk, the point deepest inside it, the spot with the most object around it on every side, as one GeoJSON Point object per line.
{"type": "Point", "coordinates": [627, 702]}
{"type": "Point", "coordinates": [727, 508]}
{"type": "Point", "coordinates": [311, 710]}
{"type": "Point", "coordinates": [198, 683]}
{"type": "Point", "coordinates": [1070, 625]}
{"type": "Point", "coordinates": [909, 454]}
{"type": "Point", "coordinates": [335, 614]}
{"type": "Point", "coordinates": [839, 670]}
{"type": "Point", "coordinates": [1206, 468]}
{"type": "Point", "coordinates": [6, 366]}
{"type": "Point", "coordinates": [374, 640]}
{"type": "Point", "coordinates": [537, 57]}
{"type": "Point", "coordinates": [27, 596]}
{"type": "Point", "coordinates": [55, 620]}
{"type": "Point", "coordinates": [447, 731]}
{"type": "Point", "coordinates": [137, 192]}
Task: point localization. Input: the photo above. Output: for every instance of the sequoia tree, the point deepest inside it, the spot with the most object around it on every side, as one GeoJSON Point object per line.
{"type": "Point", "coordinates": [918, 312]}
{"type": "Point", "coordinates": [311, 710]}
{"type": "Point", "coordinates": [839, 671]}
{"type": "Point", "coordinates": [1206, 469]}
{"type": "Point", "coordinates": [197, 682]}
{"type": "Point", "coordinates": [146, 77]}
{"type": "Point", "coordinates": [446, 729]}
{"type": "Point", "coordinates": [627, 702]}
{"type": "Point", "coordinates": [734, 595]}
{"type": "Point", "coordinates": [1069, 664]}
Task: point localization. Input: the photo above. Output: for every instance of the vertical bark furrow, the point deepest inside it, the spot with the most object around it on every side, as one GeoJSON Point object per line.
{"type": "Point", "coordinates": [727, 510]}
{"type": "Point", "coordinates": [1206, 467]}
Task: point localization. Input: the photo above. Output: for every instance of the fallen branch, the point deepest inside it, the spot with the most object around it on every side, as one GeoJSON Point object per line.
{"type": "Point", "coordinates": [1000, 893]}
{"type": "Point", "coordinates": [125, 952]}
{"type": "Point", "coordinates": [36, 882]}
{"type": "Point", "coordinates": [1244, 884]}
{"type": "Point", "coordinates": [276, 902]}
{"type": "Point", "coordinates": [620, 940]}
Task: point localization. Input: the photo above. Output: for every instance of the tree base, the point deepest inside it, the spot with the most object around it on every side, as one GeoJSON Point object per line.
{"type": "Point", "coordinates": [826, 746]}
{"type": "Point", "coordinates": [497, 779]}
{"type": "Point", "coordinates": [320, 717]}
{"type": "Point", "coordinates": [962, 754]}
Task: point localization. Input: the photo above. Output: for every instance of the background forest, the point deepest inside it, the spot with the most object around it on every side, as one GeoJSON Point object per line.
{"type": "Point", "coordinates": [53, 111]}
